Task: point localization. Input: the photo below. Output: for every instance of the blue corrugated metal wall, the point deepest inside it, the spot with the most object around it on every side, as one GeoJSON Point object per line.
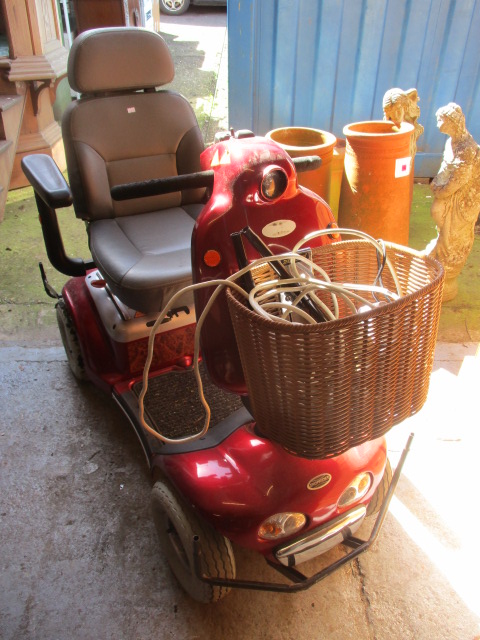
{"type": "Point", "coordinates": [327, 63]}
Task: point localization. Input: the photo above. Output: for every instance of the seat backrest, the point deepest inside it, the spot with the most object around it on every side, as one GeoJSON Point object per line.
{"type": "Point", "coordinates": [123, 128]}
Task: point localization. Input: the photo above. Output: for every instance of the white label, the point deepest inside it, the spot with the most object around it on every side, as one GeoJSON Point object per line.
{"type": "Point", "coordinates": [279, 228]}
{"type": "Point", "coordinates": [402, 167]}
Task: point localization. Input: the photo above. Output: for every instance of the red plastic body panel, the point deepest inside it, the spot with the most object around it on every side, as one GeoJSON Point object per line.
{"type": "Point", "coordinates": [235, 203]}
{"type": "Point", "coordinates": [247, 478]}
{"type": "Point", "coordinates": [109, 363]}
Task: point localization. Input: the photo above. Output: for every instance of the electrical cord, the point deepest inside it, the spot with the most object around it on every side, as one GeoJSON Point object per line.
{"type": "Point", "coordinates": [381, 265]}
{"type": "Point", "coordinates": [261, 301]}
{"type": "Point", "coordinates": [378, 244]}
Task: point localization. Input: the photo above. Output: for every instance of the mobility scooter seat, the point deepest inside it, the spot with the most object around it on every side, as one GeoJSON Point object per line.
{"type": "Point", "coordinates": [123, 129]}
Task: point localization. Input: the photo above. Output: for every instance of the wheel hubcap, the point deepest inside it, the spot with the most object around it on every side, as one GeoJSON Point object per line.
{"type": "Point", "coordinates": [174, 4]}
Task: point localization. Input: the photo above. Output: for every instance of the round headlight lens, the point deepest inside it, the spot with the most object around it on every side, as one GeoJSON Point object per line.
{"type": "Point", "coordinates": [274, 183]}
{"type": "Point", "coordinates": [281, 525]}
{"type": "Point", "coordinates": [356, 490]}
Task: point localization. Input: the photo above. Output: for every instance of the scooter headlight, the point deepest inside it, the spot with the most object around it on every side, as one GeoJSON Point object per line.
{"type": "Point", "coordinates": [281, 525]}
{"type": "Point", "coordinates": [356, 490]}
{"type": "Point", "coordinates": [274, 183]}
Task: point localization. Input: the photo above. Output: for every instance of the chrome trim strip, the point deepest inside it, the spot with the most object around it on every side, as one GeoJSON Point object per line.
{"type": "Point", "coordinates": [322, 539]}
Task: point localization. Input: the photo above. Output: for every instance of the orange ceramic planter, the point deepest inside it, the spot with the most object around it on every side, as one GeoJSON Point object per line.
{"type": "Point", "coordinates": [337, 174]}
{"type": "Point", "coordinates": [303, 141]}
{"type": "Point", "coordinates": [376, 194]}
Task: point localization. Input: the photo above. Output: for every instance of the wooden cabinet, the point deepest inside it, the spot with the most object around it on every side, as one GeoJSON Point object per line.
{"type": "Point", "coordinates": [36, 63]}
{"type": "Point", "coordinates": [90, 14]}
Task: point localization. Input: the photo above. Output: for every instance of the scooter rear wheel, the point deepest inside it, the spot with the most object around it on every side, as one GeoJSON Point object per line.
{"type": "Point", "coordinates": [176, 526]}
{"type": "Point", "coordinates": [70, 341]}
{"type": "Point", "coordinates": [381, 491]}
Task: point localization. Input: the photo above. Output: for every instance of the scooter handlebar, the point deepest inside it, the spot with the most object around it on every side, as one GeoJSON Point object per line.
{"type": "Point", "coordinates": [197, 180]}
{"type": "Point", "coordinates": [307, 163]}
{"type": "Point", "coordinates": [161, 186]}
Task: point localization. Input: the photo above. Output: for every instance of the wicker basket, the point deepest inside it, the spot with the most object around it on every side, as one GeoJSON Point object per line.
{"type": "Point", "coordinates": [321, 389]}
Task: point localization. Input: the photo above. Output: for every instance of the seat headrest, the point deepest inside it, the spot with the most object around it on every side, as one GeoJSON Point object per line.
{"type": "Point", "coordinates": [119, 59]}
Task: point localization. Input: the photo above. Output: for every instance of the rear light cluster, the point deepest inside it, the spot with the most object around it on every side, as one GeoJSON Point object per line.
{"type": "Point", "coordinates": [356, 490]}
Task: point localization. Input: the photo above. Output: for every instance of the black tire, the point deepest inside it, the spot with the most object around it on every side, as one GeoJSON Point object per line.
{"type": "Point", "coordinates": [176, 526]}
{"type": "Point", "coordinates": [174, 7]}
{"type": "Point", "coordinates": [70, 342]}
{"type": "Point", "coordinates": [381, 491]}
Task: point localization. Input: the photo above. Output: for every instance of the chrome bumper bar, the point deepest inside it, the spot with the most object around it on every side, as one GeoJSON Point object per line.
{"type": "Point", "coordinates": [320, 540]}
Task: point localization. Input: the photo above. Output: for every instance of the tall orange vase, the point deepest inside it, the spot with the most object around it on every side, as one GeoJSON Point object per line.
{"type": "Point", "coordinates": [376, 194]}
{"type": "Point", "coordinates": [303, 141]}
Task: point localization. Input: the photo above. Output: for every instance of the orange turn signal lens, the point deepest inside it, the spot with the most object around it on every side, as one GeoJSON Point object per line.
{"type": "Point", "coordinates": [333, 236]}
{"type": "Point", "coordinates": [212, 258]}
{"type": "Point", "coordinates": [281, 525]}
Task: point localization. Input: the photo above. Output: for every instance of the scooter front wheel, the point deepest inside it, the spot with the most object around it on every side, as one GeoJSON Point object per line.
{"type": "Point", "coordinates": [176, 526]}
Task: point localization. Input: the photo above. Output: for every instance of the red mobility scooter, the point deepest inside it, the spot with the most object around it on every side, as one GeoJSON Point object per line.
{"type": "Point", "coordinates": [252, 401]}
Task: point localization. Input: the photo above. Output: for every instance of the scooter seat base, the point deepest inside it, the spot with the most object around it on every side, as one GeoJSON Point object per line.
{"type": "Point", "coordinates": [124, 324]}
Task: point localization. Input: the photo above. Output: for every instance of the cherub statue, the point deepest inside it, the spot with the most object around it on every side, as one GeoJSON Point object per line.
{"type": "Point", "coordinates": [456, 191]}
{"type": "Point", "coordinates": [402, 106]}
{"type": "Point", "coordinates": [395, 106]}
{"type": "Point", "coordinates": [412, 114]}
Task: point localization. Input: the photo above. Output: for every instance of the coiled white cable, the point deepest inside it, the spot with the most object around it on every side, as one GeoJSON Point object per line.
{"type": "Point", "coordinates": [260, 298]}
{"type": "Point", "coordinates": [351, 232]}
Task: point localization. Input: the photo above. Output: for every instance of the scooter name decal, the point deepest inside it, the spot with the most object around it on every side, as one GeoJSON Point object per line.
{"type": "Point", "coordinates": [319, 482]}
{"type": "Point", "coordinates": [279, 228]}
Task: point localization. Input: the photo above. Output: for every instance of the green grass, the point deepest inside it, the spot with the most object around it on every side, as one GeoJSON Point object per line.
{"type": "Point", "coordinates": [25, 308]}
{"type": "Point", "coordinates": [23, 248]}
{"type": "Point", "coordinates": [422, 227]}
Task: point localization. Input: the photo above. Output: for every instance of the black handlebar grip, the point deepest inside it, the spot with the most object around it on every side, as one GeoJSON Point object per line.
{"type": "Point", "coordinates": [307, 163]}
{"type": "Point", "coordinates": [162, 185]}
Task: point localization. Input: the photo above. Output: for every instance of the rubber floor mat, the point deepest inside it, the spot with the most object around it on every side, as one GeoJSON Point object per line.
{"type": "Point", "coordinates": [173, 408]}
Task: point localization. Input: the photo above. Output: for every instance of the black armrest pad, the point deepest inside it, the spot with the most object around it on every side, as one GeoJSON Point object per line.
{"type": "Point", "coordinates": [47, 180]}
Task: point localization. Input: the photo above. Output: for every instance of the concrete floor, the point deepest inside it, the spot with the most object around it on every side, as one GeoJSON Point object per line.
{"type": "Point", "coordinates": [79, 553]}
{"type": "Point", "coordinates": [79, 557]}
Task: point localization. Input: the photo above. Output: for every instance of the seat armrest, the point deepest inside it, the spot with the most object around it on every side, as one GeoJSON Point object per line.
{"type": "Point", "coordinates": [52, 192]}
{"type": "Point", "coordinates": [47, 180]}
